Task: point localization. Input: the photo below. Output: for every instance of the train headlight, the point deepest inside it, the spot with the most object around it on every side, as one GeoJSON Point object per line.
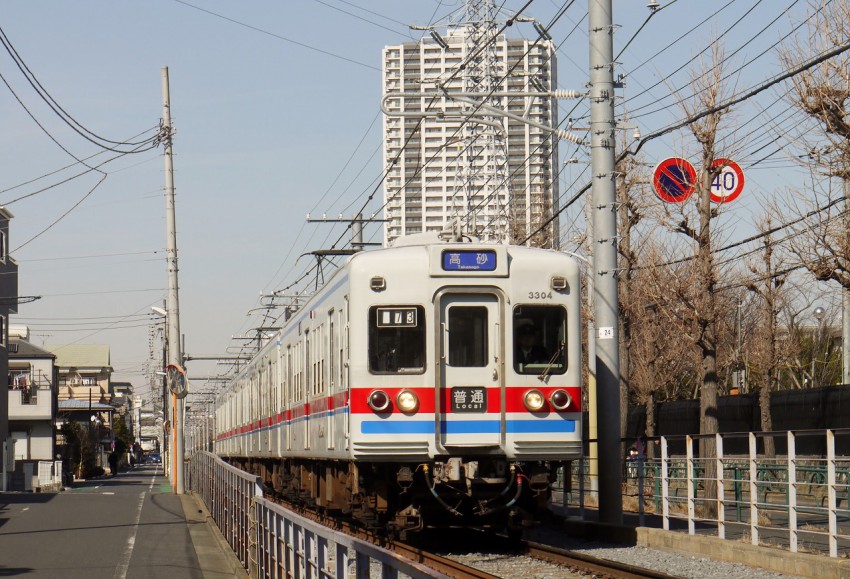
{"type": "Point", "coordinates": [560, 399]}
{"type": "Point", "coordinates": [534, 400]}
{"type": "Point", "coordinates": [407, 401]}
{"type": "Point", "coordinates": [379, 401]}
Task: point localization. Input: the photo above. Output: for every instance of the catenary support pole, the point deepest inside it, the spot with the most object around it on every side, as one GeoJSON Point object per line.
{"type": "Point", "coordinates": [602, 124]}
{"type": "Point", "coordinates": [172, 307]}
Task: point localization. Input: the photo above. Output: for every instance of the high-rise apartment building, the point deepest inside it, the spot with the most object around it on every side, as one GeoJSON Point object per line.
{"type": "Point", "coordinates": [501, 184]}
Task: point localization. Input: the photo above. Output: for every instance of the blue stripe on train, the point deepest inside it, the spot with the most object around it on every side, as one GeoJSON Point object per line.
{"type": "Point", "coordinates": [467, 426]}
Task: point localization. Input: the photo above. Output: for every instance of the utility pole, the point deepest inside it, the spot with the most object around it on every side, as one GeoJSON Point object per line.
{"type": "Point", "coordinates": [592, 404]}
{"type": "Point", "coordinates": [172, 307]}
{"type": "Point", "coordinates": [606, 300]}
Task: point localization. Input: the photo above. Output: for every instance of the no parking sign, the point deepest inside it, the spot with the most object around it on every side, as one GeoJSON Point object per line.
{"type": "Point", "coordinates": [728, 184]}
{"type": "Point", "coordinates": [674, 180]}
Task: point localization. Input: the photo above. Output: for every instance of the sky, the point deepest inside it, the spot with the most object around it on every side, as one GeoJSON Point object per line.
{"type": "Point", "coordinates": [276, 108]}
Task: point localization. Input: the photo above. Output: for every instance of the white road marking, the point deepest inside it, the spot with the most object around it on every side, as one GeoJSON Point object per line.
{"type": "Point", "coordinates": [124, 565]}
{"type": "Point", "coordinates": [25, 509]}
{"type": "Point", "coordinates": [107, 493]}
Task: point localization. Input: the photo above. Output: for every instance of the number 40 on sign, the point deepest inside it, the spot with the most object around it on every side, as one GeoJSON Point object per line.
{"type": "Point", "coordinates": [728, 184]}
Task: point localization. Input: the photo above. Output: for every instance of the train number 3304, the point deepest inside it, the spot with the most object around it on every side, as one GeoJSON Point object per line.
{"type": "Point", "coordinates": [540, 295]}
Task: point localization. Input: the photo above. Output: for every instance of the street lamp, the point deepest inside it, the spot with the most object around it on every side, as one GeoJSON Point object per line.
{"type": "Point", "coordinates": [819, 314]}
{"type": "Point", "coordinates": [95, 423]}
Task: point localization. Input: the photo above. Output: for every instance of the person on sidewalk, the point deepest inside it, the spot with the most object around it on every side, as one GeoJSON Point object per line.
{"type": "Point", "coordinates": [113, 463]}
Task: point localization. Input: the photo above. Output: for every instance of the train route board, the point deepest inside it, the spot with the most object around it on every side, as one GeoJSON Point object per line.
{"type": "Point", "coordinates": [674, 180]}
{"type": "Point", "coordinates": [729, 183]}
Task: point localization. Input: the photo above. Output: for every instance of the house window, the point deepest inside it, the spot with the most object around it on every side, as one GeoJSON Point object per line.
{"type": "Point", "coordinates": [3, 246]}
{"type": "Point", "coordinates": [3, 331]}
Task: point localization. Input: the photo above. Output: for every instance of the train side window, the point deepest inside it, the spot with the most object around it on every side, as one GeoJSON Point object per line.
{"type": "Point", "coordinates": [331, 352]}
{"type": "Point", "coordinates": [397, 339]}
{"type": "Point", "coordinates": [540, 339]}
{"type": "Point", "coordinates": [468, 338]}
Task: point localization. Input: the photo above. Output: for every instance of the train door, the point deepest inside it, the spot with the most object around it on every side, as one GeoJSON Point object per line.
{"type": "Point", "coordinates": [471, 369]}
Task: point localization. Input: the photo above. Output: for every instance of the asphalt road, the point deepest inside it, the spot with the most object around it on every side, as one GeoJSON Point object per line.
{"type": "Point", "coordinates": [130, 526]}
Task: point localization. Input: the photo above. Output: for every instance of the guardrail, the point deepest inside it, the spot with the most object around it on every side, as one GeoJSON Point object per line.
{"type": "Point", "coordinates": [801, 503]}
{"type": "Point", "coordinates": [229, 495]}
{"type": "Point", "coordinates": [274, 543]}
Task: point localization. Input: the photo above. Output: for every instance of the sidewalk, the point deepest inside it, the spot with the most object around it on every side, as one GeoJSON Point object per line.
{"type": "Point", "coordinates": [129, 526]}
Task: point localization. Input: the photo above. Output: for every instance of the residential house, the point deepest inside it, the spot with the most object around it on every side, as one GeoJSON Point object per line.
{"type": "Point", "coordinates": [8, 305]}
{"type": "Point", "coordinates": [32, 410]}
{"type": "Point", "coordinates": [83, 378]}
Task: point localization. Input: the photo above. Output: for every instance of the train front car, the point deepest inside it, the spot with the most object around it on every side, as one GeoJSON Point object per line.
{"type": "Point", "coordinates": [465, 389]}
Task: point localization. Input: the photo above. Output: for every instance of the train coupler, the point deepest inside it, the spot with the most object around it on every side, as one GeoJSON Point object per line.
{"type": "Point", "coordinates": [407, 519]}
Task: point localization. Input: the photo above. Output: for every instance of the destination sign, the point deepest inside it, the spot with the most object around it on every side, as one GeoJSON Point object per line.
{"type": "Point", "coordinates": [482, 260]}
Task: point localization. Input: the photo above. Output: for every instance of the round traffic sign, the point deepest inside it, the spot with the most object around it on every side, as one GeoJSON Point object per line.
{"type": "Point", "coordinates": [674, 180]}
{"type": "Point", "coordinates": [728, 183]}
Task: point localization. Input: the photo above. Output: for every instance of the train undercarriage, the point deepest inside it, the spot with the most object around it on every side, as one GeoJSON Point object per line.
{"type": "Point", "coordinates": [399, 498]}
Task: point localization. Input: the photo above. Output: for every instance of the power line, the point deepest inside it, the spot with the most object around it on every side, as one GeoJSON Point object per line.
{"type": "Point", "coordinates": [69, 120]}
{"type": "Point", "coordinates": [278, 36]}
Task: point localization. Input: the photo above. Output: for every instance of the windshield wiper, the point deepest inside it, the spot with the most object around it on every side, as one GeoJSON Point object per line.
{"type": "Point", "coordinates": [545, 374]}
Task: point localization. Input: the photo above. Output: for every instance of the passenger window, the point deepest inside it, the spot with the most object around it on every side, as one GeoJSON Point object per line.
{"type": "Point", "coordinates": [540, 339]}
{"type": "Point", "coordinates": [397, 339]}
{"type": "Point", "coordinates": [467, 336]}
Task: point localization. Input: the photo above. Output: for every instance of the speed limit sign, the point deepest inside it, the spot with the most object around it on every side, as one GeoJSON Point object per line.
{"type": "Point", "coordinates": [728, 183]}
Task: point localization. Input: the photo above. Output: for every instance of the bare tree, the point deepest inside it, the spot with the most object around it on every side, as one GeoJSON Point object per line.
{"type": "Point", "coordinates": [663, 365]}
{"type": "Point", "coordinates": [768, 286]}
{"type": "Point", "coordinates": [632, 208]}
{"type": "Point", "coordinates": [822, 93]}
{"type": "Point", "coordinates": [709, 90]}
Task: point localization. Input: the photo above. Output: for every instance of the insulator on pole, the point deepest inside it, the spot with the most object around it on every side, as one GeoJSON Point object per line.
{"type": "Point", "coordinates": [567, 94]}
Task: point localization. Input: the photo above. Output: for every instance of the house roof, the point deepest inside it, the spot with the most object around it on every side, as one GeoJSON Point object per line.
{"type": "Point", "coordinates": [80, 355]}
{"type": "Point", "coordinates": [72, 404]}
{"type": "Point", "coordinates": [28, 350]}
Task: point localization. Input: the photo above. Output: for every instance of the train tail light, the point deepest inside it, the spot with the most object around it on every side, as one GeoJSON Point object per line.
{"type": "Point", "coordinates": [378, 401]}
{"type": "Point", "coordinates": [534, 400]}
{"type": "Point", "coordinates": [407, 401]}
{"type": "Point", "coordinates": [560, 399]}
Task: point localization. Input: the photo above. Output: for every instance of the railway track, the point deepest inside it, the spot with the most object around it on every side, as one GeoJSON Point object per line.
{"type": "Point", "coordinates": [587, 563]}
{"type": "Point", "coordinates": [580, 564]}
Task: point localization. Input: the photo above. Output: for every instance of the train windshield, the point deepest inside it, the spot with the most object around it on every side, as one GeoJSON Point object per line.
{"type": "Point", "coordinates": [468, 336]}
{"type": "Point", "coordinates": [540, 339]}
{"type": "Point", "coordinates": [397, 339]}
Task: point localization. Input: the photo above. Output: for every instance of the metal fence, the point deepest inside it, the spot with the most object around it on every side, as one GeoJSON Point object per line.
{"type": "Point", "coordinates": [273, 543]}
{"type": "Point", "coordinates": [771, 497]}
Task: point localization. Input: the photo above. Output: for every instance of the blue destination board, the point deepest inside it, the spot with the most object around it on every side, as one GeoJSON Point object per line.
{"type": "Point", "coordinates": [469, 260]}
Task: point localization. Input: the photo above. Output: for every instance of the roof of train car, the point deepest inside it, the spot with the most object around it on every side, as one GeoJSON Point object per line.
{"type": "Point", "coordinates": [404, 249]}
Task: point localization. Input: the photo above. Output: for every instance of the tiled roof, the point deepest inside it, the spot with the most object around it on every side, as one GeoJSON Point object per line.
{"type": "Point", "coordinates": [28, 350]}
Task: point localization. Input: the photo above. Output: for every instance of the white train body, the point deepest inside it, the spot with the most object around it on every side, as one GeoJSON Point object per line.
{"type": "Point", "coordinates": [411, 356]}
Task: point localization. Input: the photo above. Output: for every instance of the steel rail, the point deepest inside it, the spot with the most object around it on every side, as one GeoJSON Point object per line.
{"type": "Point", "coordinates": [589, 563]}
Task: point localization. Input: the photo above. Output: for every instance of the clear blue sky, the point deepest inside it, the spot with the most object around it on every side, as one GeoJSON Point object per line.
{"type": "Point", "coordinates": [275, 106]}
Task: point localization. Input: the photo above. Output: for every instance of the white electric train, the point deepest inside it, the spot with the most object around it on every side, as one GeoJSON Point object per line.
{"type": "Point", "coordinates": [427, 384]}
